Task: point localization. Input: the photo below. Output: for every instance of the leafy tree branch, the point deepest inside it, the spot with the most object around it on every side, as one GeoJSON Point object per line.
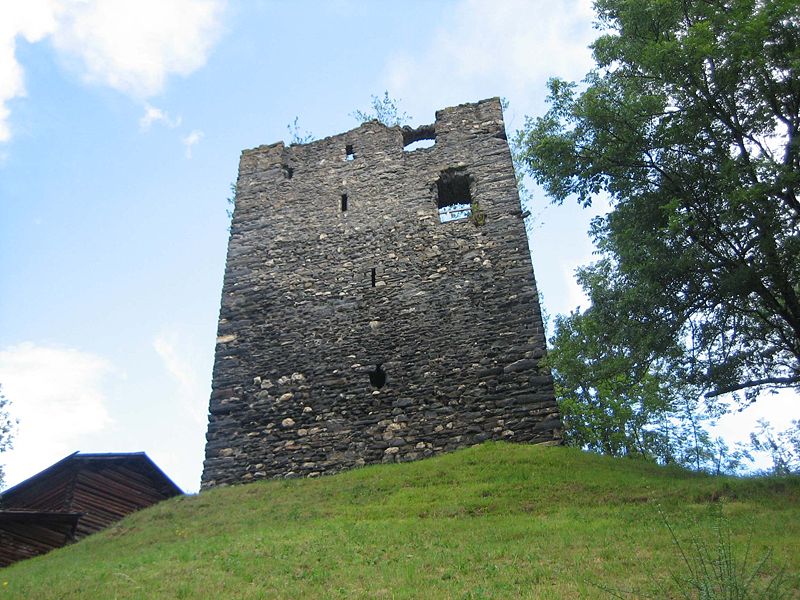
{"type": "Point", "coordinates": [689, 124]}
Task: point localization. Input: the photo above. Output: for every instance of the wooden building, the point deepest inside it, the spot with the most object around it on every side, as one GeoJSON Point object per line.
{"type": "Point", "coordinates": [75, 497]}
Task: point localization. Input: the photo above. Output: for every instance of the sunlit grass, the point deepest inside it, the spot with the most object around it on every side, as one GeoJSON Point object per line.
{"type": "Point", "coordinates": [493, 521]}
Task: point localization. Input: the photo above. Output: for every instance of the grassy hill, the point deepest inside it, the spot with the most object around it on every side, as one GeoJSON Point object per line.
{"type": "Point", "coordinates": [493, 521]}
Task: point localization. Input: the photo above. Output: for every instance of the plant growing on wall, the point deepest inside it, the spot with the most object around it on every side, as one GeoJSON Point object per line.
{"type": "Point", "coordinates": [478, 215]}
{"type": "Point", "coordinates": [384, 109]}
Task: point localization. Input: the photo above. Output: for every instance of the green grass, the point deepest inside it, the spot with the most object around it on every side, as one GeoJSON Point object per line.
{"type": "Point", "coordinates": [493, 521]}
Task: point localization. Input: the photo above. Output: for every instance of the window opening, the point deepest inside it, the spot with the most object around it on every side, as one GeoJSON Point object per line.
{"type": "Point", "coordinates": [454, 199]}
{"type": "Point", "coordinates": [373, 276]}
{"type": "Point", "coordinates": [349, 153]}
{"type": "Point", "coordinates": [344, 202]}
{"type": "Point", "coordinates": [419, 145]}
{"type": "Point", "coordinates": [421, 137]}
{"type": "Point", "coordinates": [288, 171]}
{"type": "Point", "coordinates": [377, 377]}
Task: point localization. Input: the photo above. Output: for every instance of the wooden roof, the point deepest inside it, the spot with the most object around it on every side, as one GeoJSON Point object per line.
{"type": "Point", "coordinates": [99, 488]}
{"type": "Point", "coordinates": [24, 534]}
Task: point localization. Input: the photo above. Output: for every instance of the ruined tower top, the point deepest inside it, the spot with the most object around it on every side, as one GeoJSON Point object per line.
{"type": "Point", "coordinates": [379, 303]}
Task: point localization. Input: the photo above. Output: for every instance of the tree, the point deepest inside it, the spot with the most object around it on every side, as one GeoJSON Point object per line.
{"type": "Point", "coordinates": [385, 109]}
{"type": "Point", "coordinates": [6, 430]}
{"type": "Point", "coordinates": [617, 402]}
{"type": "Point", "coordinates": [783, 447]}
{"type": "Point", "coordinates": [689, 123]}
{"type": "Point", "coordinates": [619, 394]}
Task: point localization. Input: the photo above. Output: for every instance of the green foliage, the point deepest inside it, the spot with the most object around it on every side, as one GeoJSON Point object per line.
{"type": "Point", "coordinates": [619, 391]}
{"type": "Point", "coordinates": [783, 447]}
{"type": "Point", "coordinates": [477, 214]}
{"type": "Point", "coordinates": [689, 124]}
{"type": "Point", "coordinates": [712, 564]}
{"type": "Point", "coordinates": [618, 402]}
{"type": "Point", "coordinates": [231, 201]}
{"type": "Point", "coordinates": [526, 201]}
{"type": "Point", "coordinates": [494, 521]}
{"type": "Point", "coordinates": [298, 135]}
{"type": "Point", "coordinates": [384, 109]}
{"type": "Point", "coordinates": [714, 569]}
{"type": "Point", "coordinates": [7, 425]}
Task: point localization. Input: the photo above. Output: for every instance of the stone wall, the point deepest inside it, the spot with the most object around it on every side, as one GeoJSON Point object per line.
{"type": "Point", "coordinates": [338, 262]}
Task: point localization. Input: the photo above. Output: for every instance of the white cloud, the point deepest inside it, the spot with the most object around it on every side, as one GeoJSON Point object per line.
{"type": "Point", "coordinates": [509, 48]}
{"type": "Point", "coordinates": [58, 395]}
{"type": "Point", "coordinates": [153, 114]}
{"type": "Point", "coordinates": [129, 46]}
{"type": "Point", "coordinates": [192, 386]}
{"type": "Point", "coordinates": [133, 46]}
{"type": "Point", "coordinates": [191, 140]}
{"type": "Point", "coordinates": [32, 20]}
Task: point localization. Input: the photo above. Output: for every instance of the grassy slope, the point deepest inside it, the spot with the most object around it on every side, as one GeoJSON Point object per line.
{"type": "Point", "coordinates": [496, 520]}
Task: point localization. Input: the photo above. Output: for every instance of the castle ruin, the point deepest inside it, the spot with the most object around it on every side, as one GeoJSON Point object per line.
{"type": "Point", "coordinates": [379, 303]}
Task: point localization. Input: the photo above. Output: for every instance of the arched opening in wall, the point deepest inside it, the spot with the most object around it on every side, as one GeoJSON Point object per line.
{"type": "Point", "coordinates": [349, 153]}
{"type": "Point", "coordinates": [416, 139]}
{"type": "Point", "coordinates": [419, 145]}
{"type": "Point", "coordinates": [288, 172]}
{"type": "Point", "coordinates": [377, 378]}
{"type": "Point", "coordinates": [454, 199]}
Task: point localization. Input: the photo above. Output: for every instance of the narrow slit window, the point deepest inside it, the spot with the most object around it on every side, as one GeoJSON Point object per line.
{"type": "Point", "coordinates": [373, 276]}
{"type": "Point", "coordinates": [344, 202]}
{"type": "Point", "coordinates": [349, 152]}
{"type": "Point", "coordinates": [454, 200]}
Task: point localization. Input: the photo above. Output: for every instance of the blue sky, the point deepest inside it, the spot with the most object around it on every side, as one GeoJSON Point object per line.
{"type": "Point", "coordinates": [121, 125]}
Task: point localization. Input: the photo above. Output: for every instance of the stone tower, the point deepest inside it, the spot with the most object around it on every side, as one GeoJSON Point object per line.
{"type": "Point", "coordinates": [379, 303]}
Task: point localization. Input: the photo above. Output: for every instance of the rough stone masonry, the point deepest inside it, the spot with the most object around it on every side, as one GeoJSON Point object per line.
{"type": "Point", "coordinates": [379, 303]}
